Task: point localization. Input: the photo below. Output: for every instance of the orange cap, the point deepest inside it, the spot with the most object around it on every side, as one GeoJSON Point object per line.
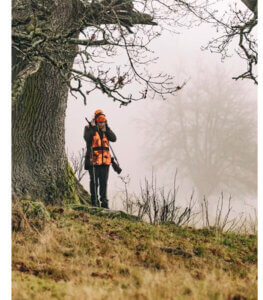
{"type": "Point", "coordinates": [98, 111]}
{"type": "Point", "coordinates": [100, 116]}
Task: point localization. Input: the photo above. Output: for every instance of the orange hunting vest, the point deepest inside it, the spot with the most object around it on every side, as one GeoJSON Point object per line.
{"type": "Point", "coordinates": [101, 151]}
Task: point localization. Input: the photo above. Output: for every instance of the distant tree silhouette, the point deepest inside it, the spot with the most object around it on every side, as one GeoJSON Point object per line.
{"type": "Point", "coordinates": [209, 132]}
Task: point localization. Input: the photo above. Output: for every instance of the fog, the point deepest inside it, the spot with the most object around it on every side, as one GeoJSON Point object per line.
{"type": "Point", "coordinates": [179, 55]}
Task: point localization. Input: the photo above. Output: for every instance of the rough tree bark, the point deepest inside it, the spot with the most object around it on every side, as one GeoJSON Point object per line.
{"type": "Point", "coordinates": [39, 163]}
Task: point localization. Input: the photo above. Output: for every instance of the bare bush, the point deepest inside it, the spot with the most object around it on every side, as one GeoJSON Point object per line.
{"type": "Point", "coordinates": [127, 201]}
{"type": "Point", "coordinates": [223, 219]}
{"type": "Point", "coordinates": [77, 163]}
{"type": "Point", "coordinates": [157, 206]}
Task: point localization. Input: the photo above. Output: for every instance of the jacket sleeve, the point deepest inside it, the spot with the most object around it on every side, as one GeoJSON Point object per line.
{"type": "Point", "coordinates": [110, 134]}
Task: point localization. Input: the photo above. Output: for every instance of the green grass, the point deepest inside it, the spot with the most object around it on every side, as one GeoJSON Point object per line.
{"type": "Point", "coordinates": [82, 254]}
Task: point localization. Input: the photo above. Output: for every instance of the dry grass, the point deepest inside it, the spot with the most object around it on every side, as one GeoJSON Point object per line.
{"type": "Point", "coordinates": [82, 256]}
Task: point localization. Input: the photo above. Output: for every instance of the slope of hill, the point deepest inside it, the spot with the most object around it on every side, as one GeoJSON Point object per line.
{"type": "Point", "coordinates": [75, 254]}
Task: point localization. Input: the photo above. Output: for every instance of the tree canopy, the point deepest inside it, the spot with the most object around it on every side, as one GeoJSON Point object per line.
{"type": "Point", "coordinates": [100, 29]}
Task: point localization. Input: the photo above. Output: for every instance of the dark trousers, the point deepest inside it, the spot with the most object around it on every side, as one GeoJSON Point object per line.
{"type": "Point", "coordinates": [101, 178]}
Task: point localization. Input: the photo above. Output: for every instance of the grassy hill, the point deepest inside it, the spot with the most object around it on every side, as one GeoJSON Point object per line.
{"type": "Point", "coordinates": [76, 254]}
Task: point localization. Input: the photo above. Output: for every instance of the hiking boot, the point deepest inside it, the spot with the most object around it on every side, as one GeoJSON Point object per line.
{"type": "Point", "coordinates": [104, 203]}
{"type": "Point", "coordinates": [94, 203]}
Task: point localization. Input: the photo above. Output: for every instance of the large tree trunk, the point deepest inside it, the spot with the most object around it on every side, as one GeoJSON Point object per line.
{"type": "Point", "coordinates": [39, 160]}
{"type": "Point", "coordinates": [39, 163]}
